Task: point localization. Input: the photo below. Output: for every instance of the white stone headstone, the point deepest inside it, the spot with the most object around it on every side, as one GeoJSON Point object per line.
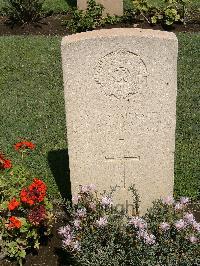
{"type": "Point", "coordinates": [120, 93]}
{"type": "Point", "coordinates": [111, 7]}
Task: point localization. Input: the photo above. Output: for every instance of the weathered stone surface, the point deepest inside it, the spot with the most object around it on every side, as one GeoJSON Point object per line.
{"type": "Point", "coordinates": [120, 94]}
{"type": "Point", "coordinates": [112, 7]}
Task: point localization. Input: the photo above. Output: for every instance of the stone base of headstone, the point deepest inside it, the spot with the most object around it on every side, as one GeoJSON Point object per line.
{"type": "Point", "coordinates": [112, 7]}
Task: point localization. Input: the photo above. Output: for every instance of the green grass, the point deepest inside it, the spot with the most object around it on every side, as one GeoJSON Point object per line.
{"type": "Point", "coordinates": [32, 107]}
{"type": "Point", "coordinates": [56, 6]}
{"type": "Point", "coordinates": [32, 103]}
{"type": "Point", "coordinates": [187, 168]}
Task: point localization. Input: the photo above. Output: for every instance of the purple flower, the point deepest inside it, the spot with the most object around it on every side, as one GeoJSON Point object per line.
{"type": "Point", "coordinates": [142, 225]}
{"type": "Point", "coordinates": [102, 222]}
{"type": "Point", "coordinates": [77, 224]}
{"type": "Point", "coordinates": [149, 239]}
{"type": "Point", "coordinates": [92, 206]}
{"type": "Point", "coordinates": [180, 224]}
{"type": "Point", "coordinates": [138, 222]}
{"type": "Point", "coordinates": [67, 242]}
{"type": "Point", "coordinates": [75, 199]}
{"type": "Point", "coordinates": [141, 234]}
{"type": "Point", "coordinates": [84, 189]}
{"type": "Point", "coordinates": [76, 246]}
{"type": "Point", "coordinates": [64, 230]}
{"type": "Point", "coordinates": [88, 188]}
{"type": "Point", "coordinates": [81, 213]}
{"type": "Point", "coordinates": [164, 226]}
{"type": "Point", "coordinates": [92, 187]}
{"type": "Point", "coordinates": [193, 239]}
{"type": "Point", "coordinates": [68, 238]}
{"type": "Point", "coordinates": [196, 226]}
{"type": "Point", "coordinates": [189, 218]}
{"type": "Point", "coordinates": [184, 200]}
{"type": "Point", "coordinates": [178, 206]}
{"type": "Point", "coordinates": [106, 201]}
{"type": "Point", "coordinates": [134, 221]}
{"type": "Point", "coordinates": [168, 200]}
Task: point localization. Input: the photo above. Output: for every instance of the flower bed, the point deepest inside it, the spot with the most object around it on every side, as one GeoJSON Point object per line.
{"type": "Point", "coordinates": [92, 230]}
{"type": "Point", "coordinates": [25, 212]}
{"type": "Point", "coordinates": [98, 234]}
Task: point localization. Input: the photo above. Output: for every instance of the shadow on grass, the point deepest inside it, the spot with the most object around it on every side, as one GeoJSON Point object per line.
{"type": "Point", "coordinates": [59, 164]}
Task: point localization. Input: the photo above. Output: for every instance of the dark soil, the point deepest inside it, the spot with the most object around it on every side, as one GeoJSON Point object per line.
{"type": "Point", "coordinates": [53, 25]}
{"type": "Point", "coordinates": [50, 252]}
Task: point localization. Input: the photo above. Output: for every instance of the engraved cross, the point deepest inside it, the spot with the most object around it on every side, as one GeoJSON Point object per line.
{"type": "Point", "coordinates": [123, 158]}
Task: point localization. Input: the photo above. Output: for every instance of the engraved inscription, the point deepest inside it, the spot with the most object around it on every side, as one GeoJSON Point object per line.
{"type": "Point", "coordinates": [121, 74]}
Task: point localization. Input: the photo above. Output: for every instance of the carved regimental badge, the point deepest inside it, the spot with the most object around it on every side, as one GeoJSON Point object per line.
{"type": "Point", "coordinates": [121, 74]}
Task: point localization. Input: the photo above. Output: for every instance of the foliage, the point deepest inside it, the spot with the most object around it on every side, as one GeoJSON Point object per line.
{"type": "Point", "coordinates": [89, 19]}
{"type": "Point", "coordinates": [23, 11]}
{"type": "Point", "coordinates": [99, 234]}
{"type": "Point", "coordinates": [166, 12]}
{"type": "Point", "coordinates": [141, 6]}
{"type": "Point", "coordinates": [175, 11]}
{"type": "Point", "coordinates": [26, 214]}
{"type": "Point", "coordinates": [176, 230]}
{"type": "Point", "coordinates": [111, 20]}
{"type": "Point", "coordinates": [85, 20]}
{"type": "Point", "coordinates": [171, 12]}
{"type": "Point", "coordinates": [143, 9]}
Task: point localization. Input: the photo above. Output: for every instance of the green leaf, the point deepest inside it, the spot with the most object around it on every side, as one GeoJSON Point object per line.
{"type": "Point", "coordinates": [37, 244]}
{"type": "Point", "coordinates": [22, 253]}
{"type": "Point", "coordinates": [154, 19]}
{"type": "Point", "coordinates": [169, 22]}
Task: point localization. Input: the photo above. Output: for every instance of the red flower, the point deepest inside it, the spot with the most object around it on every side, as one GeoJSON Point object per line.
{"type": "Point", "coordinates": [26, 197]}
{"type": "Point", "coordinates": [35, 193]}
{"type": "Point", "coordinates": [24, 145]}
{"type": "Point", "coordinates": [14, 223]}
{"type": "Point", "coordinates": [7, 164]}
{"type": "Point", "coordinates": [37, 215]}
{"type": "Point", "coordinates": [4, 163]}
{"type": "Point", "coordinates": [13, 204]}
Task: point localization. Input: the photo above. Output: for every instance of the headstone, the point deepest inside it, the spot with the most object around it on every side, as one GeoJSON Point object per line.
{"type": "Point", "coordinates": [111, 7]}
{"type": "Point", "coordinates": [120, 93]}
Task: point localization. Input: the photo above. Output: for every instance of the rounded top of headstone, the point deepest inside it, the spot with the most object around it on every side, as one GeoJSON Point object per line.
{"type": "Point", "coordinates": [119, 32]}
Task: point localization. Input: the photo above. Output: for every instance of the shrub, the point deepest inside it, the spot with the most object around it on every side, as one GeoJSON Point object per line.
{"type": "Point", "coordinates": [89, 19]}
{"type": "Point", "coordinates": [174, 11]}
{"type": "Point", "coordinates": [98, 234]}
{"type": "Point", "coordinates": [85, 20]}
{"type": "Point", "coordinates": [171, 12]}
{"type": "Point", "coordinates": [23, 11]}
{"type": "Point", "coordinates": [26, 213]}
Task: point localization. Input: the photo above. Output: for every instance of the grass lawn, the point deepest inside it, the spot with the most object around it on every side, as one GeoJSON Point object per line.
{"type": "Point", "coordinates": [32, 107]}
{"type": "Point", "coordinates": [187, 167]}
{"type": "Point", "coordinates": [52, 5]}
{"type": "Point", "coordinates": [32, 103]}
